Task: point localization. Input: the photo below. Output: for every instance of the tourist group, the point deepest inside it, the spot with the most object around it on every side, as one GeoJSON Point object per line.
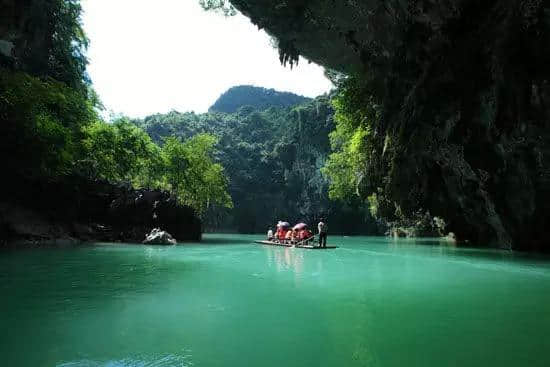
{"type": "Point", "coordinates": [297, 235]}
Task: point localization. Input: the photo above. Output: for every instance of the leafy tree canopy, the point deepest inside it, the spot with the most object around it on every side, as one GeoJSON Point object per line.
{"type": "Point", "coordinates": [41, 124]}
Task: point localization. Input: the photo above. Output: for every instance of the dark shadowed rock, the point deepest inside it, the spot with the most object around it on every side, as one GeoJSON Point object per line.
{"type": "Point", "coordinates": [77, 209]}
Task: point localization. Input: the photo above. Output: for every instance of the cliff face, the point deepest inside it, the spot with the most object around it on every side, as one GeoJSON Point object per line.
{"type": "Point", "coordinates": [465, 97]}
{"type": "Point", "coordinates": [13, 26]}
{"type": "Point", "coordinates": [44, 38]}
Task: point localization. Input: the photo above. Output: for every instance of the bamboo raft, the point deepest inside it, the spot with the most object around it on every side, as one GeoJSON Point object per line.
{"type": "Point", "coordinates": [304, 246]}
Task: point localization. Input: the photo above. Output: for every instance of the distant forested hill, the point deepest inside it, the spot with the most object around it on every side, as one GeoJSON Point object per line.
{"type": "Point", "coordinates": [273, 159]}
{"type": "Point", "coordinates": [259, 98]}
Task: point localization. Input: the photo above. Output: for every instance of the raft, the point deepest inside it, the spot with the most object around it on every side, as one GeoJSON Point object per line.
{"type": "Point", "coordinates": [308, 247]}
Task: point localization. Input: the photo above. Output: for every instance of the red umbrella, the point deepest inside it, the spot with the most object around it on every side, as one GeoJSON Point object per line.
{"type": "Point", "coordinates": [300, 226]}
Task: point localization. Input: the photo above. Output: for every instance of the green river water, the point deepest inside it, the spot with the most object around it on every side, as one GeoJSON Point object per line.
{"type": "Point", "coordinates": [227, 302]}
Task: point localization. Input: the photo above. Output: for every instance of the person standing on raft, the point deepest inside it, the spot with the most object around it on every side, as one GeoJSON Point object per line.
{"type": "Point", "coordinates": [322, 228]}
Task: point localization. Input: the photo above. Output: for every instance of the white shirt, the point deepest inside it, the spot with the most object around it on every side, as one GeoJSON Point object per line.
{"type": "Point", "coordinates": [269, 233]}
{"type": "Point", "coordinates": [322, 227]}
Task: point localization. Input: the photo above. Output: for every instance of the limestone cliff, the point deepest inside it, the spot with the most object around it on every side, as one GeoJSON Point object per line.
{"type": "Point", "coordinates": [44, 38]}
{"type": "Point", "coordinates": [465, 96]}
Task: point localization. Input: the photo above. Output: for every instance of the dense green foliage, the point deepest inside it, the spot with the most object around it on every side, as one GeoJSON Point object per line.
{"type": "Point", "coordinates": [120, 152]}
{"type": "Point", "coordinates": [258, 98]}
{"type": "Point", "coordinates": [41, 124]}
{"type": "Point", "coordinates": [44, 98]}
{"type": "Point", "coordinates": [123, 152]}
{"type": "Point", "coordinates": [50, 124]}
{"type": "Point", "coordinates": [191, 173]}
{"type": "Point", "coordinates": [52, 130]}
{"type": "Point", "coordinates": [45, 101]}
{"type": "Point", "coordinates": [273, 159]}
{"type": "Point", "coordinates": [349, 141]}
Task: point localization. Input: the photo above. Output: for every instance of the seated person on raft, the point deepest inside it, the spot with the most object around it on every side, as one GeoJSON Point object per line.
{"type": "Point", "coordinates": [303, 236]}
{"type": "Point", "coordinates": [280, 235]}
{"type": "Point", "coordinates": [289, 236]}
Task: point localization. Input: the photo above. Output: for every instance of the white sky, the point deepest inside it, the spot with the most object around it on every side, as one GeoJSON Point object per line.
{"type": "Point", "coordinates": [155, 56]}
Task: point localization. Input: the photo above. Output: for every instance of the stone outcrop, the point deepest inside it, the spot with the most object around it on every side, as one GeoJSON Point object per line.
{"type": "Point", "coordinates": [76, 209]}
{"type": "Point", "coordinates": [418, 225]}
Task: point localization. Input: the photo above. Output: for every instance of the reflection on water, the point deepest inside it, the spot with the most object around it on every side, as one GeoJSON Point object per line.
{"type": "Point", "coordinates": [285, 259]}
{"type": "Point", "coordinates": [142, 361]}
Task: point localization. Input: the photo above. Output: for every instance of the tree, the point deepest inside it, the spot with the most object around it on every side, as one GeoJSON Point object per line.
{"type": "Point", "coordinates": [121, 152]}
{"type": "Point", "coordinates": [351, 141]}
{"type": "Point", "coordinates": [192, 174]}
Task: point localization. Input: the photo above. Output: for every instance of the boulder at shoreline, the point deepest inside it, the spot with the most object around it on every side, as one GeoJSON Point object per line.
{"type": "Point", "coordinates": [159, 237]}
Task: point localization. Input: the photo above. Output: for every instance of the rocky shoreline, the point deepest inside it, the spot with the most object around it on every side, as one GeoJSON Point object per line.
{"type": "Point", "coordinates": [76, 210]}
